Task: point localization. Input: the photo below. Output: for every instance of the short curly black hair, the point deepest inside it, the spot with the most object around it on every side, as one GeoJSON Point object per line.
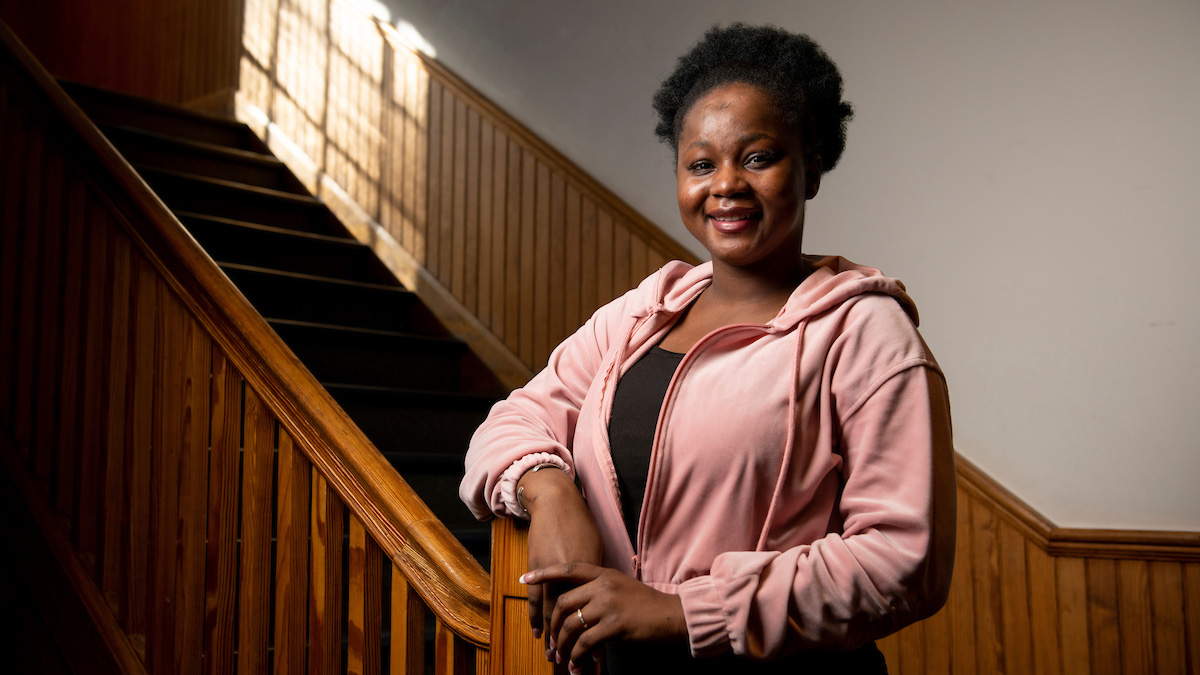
{"type": "Point", "coordinates": [803, 81]}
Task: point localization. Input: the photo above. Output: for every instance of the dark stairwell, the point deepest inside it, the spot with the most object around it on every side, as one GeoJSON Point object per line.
{"type": "Point", "coordinates": [414, 390]}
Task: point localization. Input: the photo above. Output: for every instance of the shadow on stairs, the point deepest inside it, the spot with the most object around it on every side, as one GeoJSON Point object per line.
{"type": "Point", "coordinates": [414, 390]}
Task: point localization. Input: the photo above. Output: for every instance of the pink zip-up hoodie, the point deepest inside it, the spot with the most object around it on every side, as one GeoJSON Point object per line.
{"type": "Point", "coordinates": [801, 485]}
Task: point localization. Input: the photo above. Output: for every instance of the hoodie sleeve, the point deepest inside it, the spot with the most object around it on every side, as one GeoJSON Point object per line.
{"type": "Point", "coordinates": [891, 563]}
{"type": "Point", "coordinates": [536, 423]}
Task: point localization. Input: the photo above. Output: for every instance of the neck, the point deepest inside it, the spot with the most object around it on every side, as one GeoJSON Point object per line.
{"type": "Point", "coordinates": [756, 287]}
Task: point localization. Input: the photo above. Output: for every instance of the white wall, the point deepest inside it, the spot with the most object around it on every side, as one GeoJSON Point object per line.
{"type": "Point", "coordinates": [1031, 170]}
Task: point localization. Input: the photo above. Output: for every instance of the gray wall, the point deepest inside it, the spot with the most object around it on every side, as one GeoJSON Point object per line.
{"type": "Point", "coordinates": [1031, 170]}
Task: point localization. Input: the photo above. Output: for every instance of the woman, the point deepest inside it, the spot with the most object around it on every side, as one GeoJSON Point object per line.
{"type": "Point", "coordinates": [748, 460]}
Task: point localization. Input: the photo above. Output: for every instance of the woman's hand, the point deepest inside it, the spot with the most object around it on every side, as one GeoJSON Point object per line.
{"type": "Point", "coordinates": [605, 605]}
{"type": "Point", "coordinates": [561, 531]}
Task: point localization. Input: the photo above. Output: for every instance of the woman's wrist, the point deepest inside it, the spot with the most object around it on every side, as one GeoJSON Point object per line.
{"type": "Point", "coordinates": [538, 487]}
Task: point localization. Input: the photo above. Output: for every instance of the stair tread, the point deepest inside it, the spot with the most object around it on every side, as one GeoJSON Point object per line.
{"type": "Point", "coordinates": [401, 336]}
{"type": "Point", "coordinates": [292, 197]}
{"type": "Point", "coordinates": [281, 231]}
{"type": "Point", "coordinates": [314, 277]}
{"type": "Point", "coordinates": [195, 145]}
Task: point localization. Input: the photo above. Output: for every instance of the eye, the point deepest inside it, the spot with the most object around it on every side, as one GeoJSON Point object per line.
{"type": "Point", "coordinates": [700, 166]}
{"type": "Point", "coordinates": [760, 159]}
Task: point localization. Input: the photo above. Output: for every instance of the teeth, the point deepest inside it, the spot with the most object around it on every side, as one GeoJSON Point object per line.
{"type": "Point", "coordinates": [730, 219]}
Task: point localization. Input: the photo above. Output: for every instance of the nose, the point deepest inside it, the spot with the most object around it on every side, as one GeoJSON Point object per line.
{"type": "Point", "coordinates": [729, 181]}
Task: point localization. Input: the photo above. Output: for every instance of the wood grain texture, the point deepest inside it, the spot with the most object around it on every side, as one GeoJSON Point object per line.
{"type": "Point", "coordinates": [181, 388]}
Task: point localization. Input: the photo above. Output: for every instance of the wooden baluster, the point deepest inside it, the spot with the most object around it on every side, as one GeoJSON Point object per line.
{"type": "Point", "coordinates": [46, 353]}
{"type": "Point", "coordinates": [29, 217]}
{"type": "Point", "coordinates": [221, 555]}
{"type": "Point", "coordinates": [325, 580]}
{"type": "Point", "coordinates": [96, 402]}
{"type": "Point", "coordinates": [164, 484]}
{"type": "Point", "coordinates": [193, 497]}
{"type": "Point", "coordinates": [254, 579]}
{"type": "Point", "coordinates": [76, 339]}
{"type": "Point", "coordinates": [114, 517]}
{"type": "Point", "coordinates": [408, 626]}
{"type": "Point", "coordinates": [291, 557]}
{"type": "Point", "coordinates": [137, 479]}
{"type": "Point", "coordinates": [365, 621]}
{"type": "Point", "coordinates": [12, 167]}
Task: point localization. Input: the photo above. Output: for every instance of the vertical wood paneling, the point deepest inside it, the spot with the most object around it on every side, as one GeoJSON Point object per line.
{"type": "Point", "coordinates": [1073, 615]}
{"type": "Point", "coordinates": [962, 591]}
{"type": "Point", "coordinates": [482, 223]}
{"type": "Point", "coordinates": [556, 254]}
{"type": "Point", "coordinates": [528, 221]}
{"type": "Point", "coordinates": [1014, 599]}
{"type": "Point", "coordinates": [513, 247]}
{"type": "Point", "coordinates": [1043, 611]}
{"type": "Point", "coordinates": [1133, 606]}
{"type": "Point", "coordinates": [12, 159]}
{"type": "Point", "coordinates": [1191, 604]}
{"type": "Point", "coordinates": [1103, 627]}
{"type": "Point", "coordinates": [1166, 596]}
{"type": "Point", "coordinates": [572, 265]}
{"type": "Point", "coordinates": [989, 644]}
{"type": "Point", "coordinates": [499, 232]}
{"type": "Point", "coordinates": [541, 271]}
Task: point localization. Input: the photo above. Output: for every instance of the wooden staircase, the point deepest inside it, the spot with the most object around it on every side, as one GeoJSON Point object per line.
{"type": "Point", "coordinates": [414, 390]}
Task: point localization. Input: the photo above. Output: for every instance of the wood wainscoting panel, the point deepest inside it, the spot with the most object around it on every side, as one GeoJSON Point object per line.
{"type": "Point", "coordinates": [1028, 597]}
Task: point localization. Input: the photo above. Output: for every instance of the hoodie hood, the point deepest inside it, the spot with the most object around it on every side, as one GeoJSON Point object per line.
{"type": "Point", "coordinates": [833, 280]}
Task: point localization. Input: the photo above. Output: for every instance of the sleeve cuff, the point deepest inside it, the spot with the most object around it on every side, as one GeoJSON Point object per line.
{"type": "Point", "coordinates": [707, 629]}
{"type": "Point", "coordinates": [512, 475]}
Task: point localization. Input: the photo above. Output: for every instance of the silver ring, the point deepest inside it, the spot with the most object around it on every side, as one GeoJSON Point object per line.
{"type": "Point", "coordinates": [579, 613]}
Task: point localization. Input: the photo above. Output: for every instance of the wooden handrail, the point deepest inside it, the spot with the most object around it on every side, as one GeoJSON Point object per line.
{"type": "Point", "coordinates": [439, 569]}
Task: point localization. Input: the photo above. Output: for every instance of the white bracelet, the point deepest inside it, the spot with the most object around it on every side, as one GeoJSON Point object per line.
{"type": "Point", "coordinates": [521, 488]}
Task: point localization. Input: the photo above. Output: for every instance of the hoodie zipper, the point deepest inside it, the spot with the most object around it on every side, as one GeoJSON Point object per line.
{"type": "Point", "coordinates": [652, 473]}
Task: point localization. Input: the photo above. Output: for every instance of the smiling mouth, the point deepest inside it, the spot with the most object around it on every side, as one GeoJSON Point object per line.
{"type": "Point", "coordinates": [734, 223]}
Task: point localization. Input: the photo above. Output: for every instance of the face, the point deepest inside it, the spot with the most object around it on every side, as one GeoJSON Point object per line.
{"type": "Point", "coordinates": [743, 180]}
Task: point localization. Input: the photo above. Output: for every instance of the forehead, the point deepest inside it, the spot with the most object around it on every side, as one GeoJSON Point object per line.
{"type": "Point", "coordinates": [734, 109]}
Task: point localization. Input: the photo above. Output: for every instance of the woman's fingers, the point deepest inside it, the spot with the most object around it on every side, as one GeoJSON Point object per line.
{"type": "Point", "coordinates": [571, 573]}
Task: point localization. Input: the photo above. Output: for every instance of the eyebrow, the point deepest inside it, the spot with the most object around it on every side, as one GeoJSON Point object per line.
{"type": "Point", "coordinates": [744, 140]}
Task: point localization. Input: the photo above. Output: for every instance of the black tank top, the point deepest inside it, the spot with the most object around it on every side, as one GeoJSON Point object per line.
{"type": "Point", "coordinates": [636, 405]}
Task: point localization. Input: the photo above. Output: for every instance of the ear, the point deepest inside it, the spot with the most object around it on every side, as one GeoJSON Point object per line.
{"type": "Point", "coordinates": [812, 176]}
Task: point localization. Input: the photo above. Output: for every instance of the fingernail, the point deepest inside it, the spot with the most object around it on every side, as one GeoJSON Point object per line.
{"type": "Point", "coordinates": [551, 642]}
{"type": "Point", "coordinates": [521, 580]}
{"type": "Point", "coordinates": [537, 633]}
{"type": "Point", "coordinates": [575, 670]}
{"type": "Point", "coordinates": [595, 658]}
{"type": "Point", "coordinates": [558, 657]}
{"type": "Point", "coordinates": [549, 654]}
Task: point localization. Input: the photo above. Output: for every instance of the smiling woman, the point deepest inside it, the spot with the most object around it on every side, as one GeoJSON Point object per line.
{"type": "Point", "coordinates": [763, 440]}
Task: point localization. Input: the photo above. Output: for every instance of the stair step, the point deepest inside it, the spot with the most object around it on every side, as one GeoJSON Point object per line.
{"type": "Point", "coordinates": [227, 199]}
{"type": "Point", "coordinates": [316, 299]}
{"type": "Point", "coordinates": [287, 250]}
{"type": "Point", "coordinates": [152, 149]}
{"type": "Point", "coordinates": [373, 357]}
{"type": "Point", "coordinates": [401, 421]}
{"type": "Point", "coordinates": [107, 107]}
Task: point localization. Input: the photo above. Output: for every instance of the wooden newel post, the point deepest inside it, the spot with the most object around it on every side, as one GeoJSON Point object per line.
{"type": "Point", "coordinates": [513, 649]}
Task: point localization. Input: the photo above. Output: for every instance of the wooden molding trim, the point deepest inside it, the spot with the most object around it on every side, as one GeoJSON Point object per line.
{"type": "Point", "coordinates": [446, 577]}
{"type": "Point", "coordinates": [1076, 542]}
{"type": "Point", "coordinates": [582, 181]}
